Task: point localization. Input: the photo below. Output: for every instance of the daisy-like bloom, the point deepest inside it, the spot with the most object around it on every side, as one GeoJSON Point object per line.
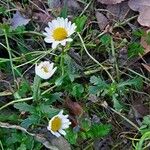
{"type": "Point", "coordinates": [59, 32]}
{"type": "Point", "coordinates": [45, 69]}
{"type": "Point", "coordinates": [58, 123]}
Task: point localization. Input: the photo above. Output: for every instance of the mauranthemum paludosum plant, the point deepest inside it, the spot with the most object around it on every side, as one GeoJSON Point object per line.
{"type": "Point", "coordinates": [59, 32]}
{"type": "Point", "coordinates": [58, 123]}
{"type": "Point", "coordinates": [45, 69]}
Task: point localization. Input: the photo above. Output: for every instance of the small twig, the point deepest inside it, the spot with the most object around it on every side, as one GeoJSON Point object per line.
{"type": "Point", "coordinates": [105, 105]}
{"type": "Point", "coordinates": [51, 143]}
{"type": "Point", "coordinates": [16, 101]}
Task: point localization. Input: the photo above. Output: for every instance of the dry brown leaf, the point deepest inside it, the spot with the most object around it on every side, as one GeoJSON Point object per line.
{"type": "Point", "coordinates": [118, 11]}
{"type": "Point", "coordinates": [144, 43]}
{"type": "Point", "coordinates": [110, 2]}
{"type": "Point", "coordinates": [74, 107]}
{"type": "Point", "coordinates": [102, 20]}
{"type": "Point", "coordinates": [143, 7]}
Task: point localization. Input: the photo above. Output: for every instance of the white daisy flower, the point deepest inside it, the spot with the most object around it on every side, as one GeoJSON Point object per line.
{"type": "Point", "coordinates": [45, 69]}
{"type": "Point", "coordinates": [59, 32]}
{"type": "Point", "coordinates": [58, 123]}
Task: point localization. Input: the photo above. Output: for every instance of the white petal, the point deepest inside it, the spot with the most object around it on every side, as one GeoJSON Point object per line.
{"type": "Point", "coordinates": [56, 134]}
{"type": "Point", "coordinates": [61, 112]}
{"type": "Point", "coordinates": [41, 73]}
{"type": "Point", "coordinates": [48, 40]}
{"type": "Point", "coordinates": [69, 39]}
{"type": "Point", "coordinates": [54, 45]}
{"type": "Point", "coordinates": [48, 128]}
{"type": "Point", "coordinates": [65, 126]}
{"type": "Point", "coordinates": [62, 132]}
{"type": "Point", "coordinates": [63, 42]}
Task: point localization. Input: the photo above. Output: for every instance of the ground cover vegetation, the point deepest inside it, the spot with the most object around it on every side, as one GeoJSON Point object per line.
{"type": "Point", "coordinates": [74, 74]}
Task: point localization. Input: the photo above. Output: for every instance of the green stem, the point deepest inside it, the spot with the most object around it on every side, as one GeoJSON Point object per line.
{"type": "Point", "coordinates": [1, 145]}
{"type": "Point", "coordinates": [62, 63]}
{"type": "Point", "coordinates": [16, 101]}
{"type": "Point", "coordinates": [146, 136]}
{"type": "Point", "coordinates": [9, 52]}
{"type": "Point", "coordinates": [94, 58]}
{"type": "Point", "coordinates": [36, 88]}
{"type": "Point", "coordinates": [115, 60]}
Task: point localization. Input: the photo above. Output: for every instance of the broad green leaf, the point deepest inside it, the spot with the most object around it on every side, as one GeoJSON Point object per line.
{"type": "Point", "coordinates": [24, 107]}
{"type": "Point", "coordinates": [98, 130]}
{"type": "Point", "coordinates": [80, 22]}
{"type": "Point", "coordinates": [71, 136]}
{"type": "Point", "coordinates": [134, 49]}
{"type": "Point", "coordinates": [31, 120]}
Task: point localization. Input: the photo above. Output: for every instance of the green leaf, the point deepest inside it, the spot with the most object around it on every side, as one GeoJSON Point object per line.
{"type": "Point", "coordinates": [24, 88]}
{"type": "Point", "coordinates": [77, 90]}
{"type": "Point", "coordinates": [22, 147]}
{"type": "Point", "coordinates": [139, 32]}
{"type": "Point", "coordinates": [134, 49]}
{"type": "Point", "coordinates": [47, 110]}
{"type": "Point", "coordinates": [136, 82]}
{"type": "Point", "coordinates": [50, 98]}
{"type": "Point", "coordinates": [2, 10]}
{"type": "Point", "coordinates": [98, 130]}
{"type": "Point", "coordinates": [97, 81]}
{"type": "Point", "coordinates": [105, 39]}
{"type": "Point", "coordinates": [64, 11]}
{"type": "Point", "coordinates": [117, 105]}
{"type": "Point", "coordinates": [24, 107]}
{"type": "Point", "coordinates": [71, 136]}
{"type": "Point", "coordinates": [31, 120]}
{"type": "Point", "coordinates": [80, 22]}
{"type": "Point", "coordinates": [59, 81]}
{"type": "Point", "coordinates": [94, 89]}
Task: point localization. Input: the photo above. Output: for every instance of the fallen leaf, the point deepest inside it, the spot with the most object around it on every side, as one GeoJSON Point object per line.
{"type": "Point", "coordinates": [143, 7]}
{"type": "Point", "coordinates": [72, 5]}
{"type": "Point", "coordinates": [74, 107]}
{"type": "Point", "coordinates": [102, 20]}
{"type": "Point", "coordinates": [41, 18]}
{"type": "Point", "coordinates": [144, 43]}
{"type": "Point", "coordinates": [118, 11]}
{"type": "Point", "coordinates": [18, 20]}
{"type": "Point", "coordinates": [110, 2]}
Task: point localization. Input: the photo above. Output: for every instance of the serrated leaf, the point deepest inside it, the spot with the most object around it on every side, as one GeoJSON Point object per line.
{"type": "Point", "coordinates": [24, 107]}
{"type": "Point", "coordinates": [71, 136]}
{"type": "Point", "coordinates": [32, 119]}
{"type": "Point", "coordinates": [59, 81]}
{"type": "Point", "coordinates": [97, 81]}
{"type": "Point", "coordinates": [46, 109]}
{"type": "Point", "coordinates": [135, 49]}
{"type": "Point", "coordinates": [98, 130]}
{"type": "Point", "coordinates": [137, 83]}
{"type": "Point", "coordinates": [77, 90]}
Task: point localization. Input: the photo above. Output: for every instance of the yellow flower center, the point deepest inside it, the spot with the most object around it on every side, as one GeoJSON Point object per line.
{"type": "Point", "coordinates": [45, 69]}
{"type": "Point", "coordinates": [60, 34]}
{"type": "Point", "coordinates": [56, 124]}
